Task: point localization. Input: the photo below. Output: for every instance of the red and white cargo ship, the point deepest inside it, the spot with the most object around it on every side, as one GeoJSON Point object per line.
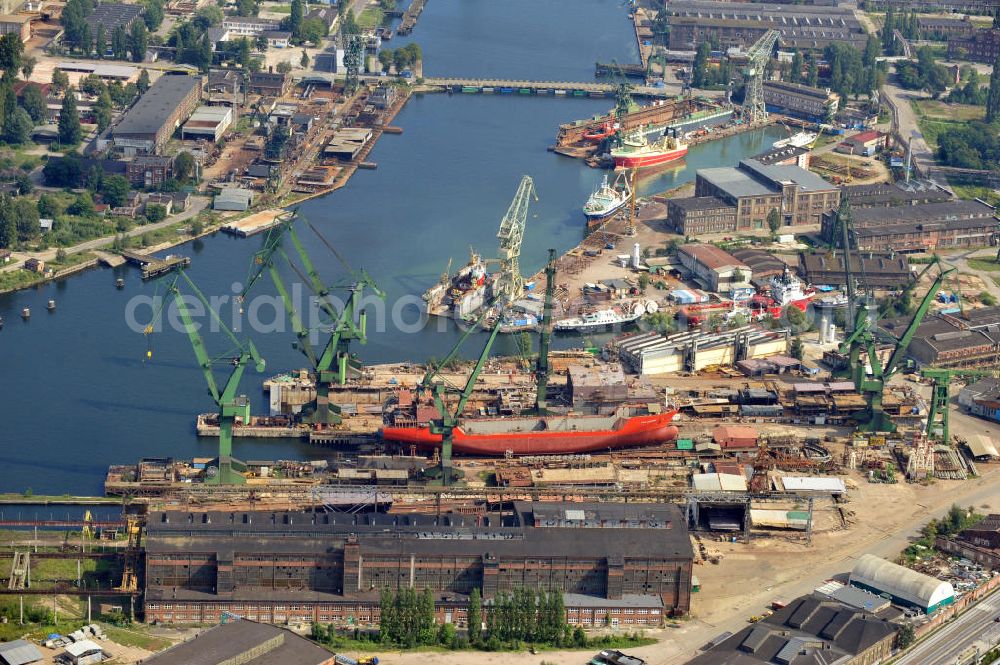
{"type": "Point", "coordinates": [638, 152]}
{"type": "Point", "coordinates": [784, 291]}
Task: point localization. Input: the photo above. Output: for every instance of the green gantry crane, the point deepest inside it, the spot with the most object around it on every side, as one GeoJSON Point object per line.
{"type": "Point", "coordinates": [447, 419]}
{"type": "Point", "coordinates": [941, 393]}
{"type": "Point", "coordinates": [867, 370]}
{"type": "Point", "coordinates": [334, 364]}
{"type": "Point", "coordinates": [225, 469]}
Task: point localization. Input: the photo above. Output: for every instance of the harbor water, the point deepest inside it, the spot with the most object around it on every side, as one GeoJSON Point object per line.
{"type": "Point", "coordinates": [80, 392]}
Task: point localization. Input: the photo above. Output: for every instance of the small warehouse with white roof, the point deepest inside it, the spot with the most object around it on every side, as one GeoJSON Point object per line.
{"type": "Point", "coordinates": [904, 586]}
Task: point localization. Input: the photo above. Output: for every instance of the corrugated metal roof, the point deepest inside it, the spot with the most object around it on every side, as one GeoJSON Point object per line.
{"type": "Point", "coordinates": [78, 649]}
{"type": "Point", "coordinates": [813, 484]}
{"type": "Point", "coordinates": [719, 482]}
{"type": "Point", "coordinates": [19, 652]}
{"type": "Point", "coordinates": [909, 585]}
{"type": "Point", "coordinates": [981, 446]}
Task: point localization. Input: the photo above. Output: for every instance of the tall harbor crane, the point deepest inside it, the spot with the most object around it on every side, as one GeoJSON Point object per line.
{"type": "Point", "coordinates": [333, 364]}
{"type": "Point", "coordinates": [867, 370]}
{"type": "Point", "coordinates": [754, 110]}
{"type": "Point", "coordinates": [510, 284]}
{"type": "Point", "coordinates": [225, 469]}
{"type": "Point", "coordinates": [354, 54]}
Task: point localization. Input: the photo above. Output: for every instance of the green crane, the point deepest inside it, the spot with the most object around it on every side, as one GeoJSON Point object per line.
{"type": "Point", "coordinates": [333, 364]}
{"type": "Point", "coordinates": [447, 420]}
{"type": "Point", "coordinates": [542, 365]}
{"type": "Point", "coordinates": [940, 395]}
{"type": "Point", "coordinates": [862, 341]}
{"type": "Point", "coordinates": [225, 469]}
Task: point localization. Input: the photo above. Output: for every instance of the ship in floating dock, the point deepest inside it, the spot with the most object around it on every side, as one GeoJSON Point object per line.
{"type": "Point", "coordinates": [628, 427]}
{"type": "Point", "coordinates": [462, 294]}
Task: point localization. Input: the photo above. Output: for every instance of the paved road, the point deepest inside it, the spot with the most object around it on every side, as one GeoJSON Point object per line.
{"type": "Point", "coordinates": [976, 627]}
{"type": "Point", "coordinates": [198, 203]}
{"type": "Point", "coordinates": [908, 127]}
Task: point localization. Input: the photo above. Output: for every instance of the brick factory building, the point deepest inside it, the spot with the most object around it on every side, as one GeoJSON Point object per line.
{"type": "Point", "coordinates": [300, 566]}
{"type": "Point", "coordinates": [739, 24]}
{"type": "Point", "coordinates": [920, 227]}
{"type": "Point", "coordinates": [883, 270]}
{"type": "Point", "coordinates": [800, 196]}
{"type": "Point", "coordinates": [713, 267]}
{"type": "Point", "coordinates": [149, 124]}
{"type": "Point", "coordinates": [979, 543]}
{"type": "Point", "coordinates": [698, 215]}
{"type": "Point", "coordinates": [888, 195]}
{"type": "Point", "coordinates": [811, 629]}
{"type": "Point", "coordinates": [968, 339]}
{"type": "Point", "coordinates": [803, 101]}
{"type": "Point", "coordinates": [19, 24]}
{"type": "Point", "coordinates": [980, 46]}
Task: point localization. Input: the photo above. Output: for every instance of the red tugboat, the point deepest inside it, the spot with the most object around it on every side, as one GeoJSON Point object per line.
{"type": "Point", "coordinates": [600, 132]}
{"type": "Point", "coordinates": [784, 291]}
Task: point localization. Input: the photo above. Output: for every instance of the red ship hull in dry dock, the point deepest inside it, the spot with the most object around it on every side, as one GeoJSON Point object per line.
{"type": "Point", "coordinates": [547, 435]}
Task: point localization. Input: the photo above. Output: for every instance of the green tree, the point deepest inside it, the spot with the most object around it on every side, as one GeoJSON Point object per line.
{"type": "Point", "coordinates": [385, 59]}
{"type": "Point", "coordinates": [102, 111]}
{"type": "Point", "coordinates": [351, 24]}
{"type": "Point", "coordinates": [26, 215]}
{"type": "Point", "coordinates": [247, 7]}
{"type": "Point", "coordinates": [143, 83]}
{"type": "Point", "coordinates": [119, 43]}
{"type": "Point", "coordinates": [295, 17]}
{"type": "Point", "coordinates": [101, 41]}
{"type": "Point", "coordinates": [114, 190]}
{"type": "Point", "coordinates": [155, 213]}
{"type": "Point", "coordinates": [313, 30]}
{"type": "Point", "coordinates": [796, 348]}
{"type": "Point", "coordinates": [28, 63]}
{"type": "Point", "coordinates": [987, 299]}
{"type": "Point", "coordinates": [260, 43]}
{"type": "Point", "coordinates": [60, 80]}
{"type": "Point", "coordinates": [33, 102]}
{"type": "Point", "coordinates": [11, 52]}
{"type": "Point", "coordinates": [475, 616]}
{"type": "Point", "coordinates": [94, 180]}
{"type": "Point", "coordinates": [699, 71]}
{"type": "Point", "coordinates": [153, 14]}
{"type": "Point", "coordinates": [70, 131]}
{"type": "Point", "coordinates": [138, 41]}
{"type": "Point", "coordinates": [796, 317]}
{"type": "Point", "coordinates": [17, 127]}
{"type": "Point", "coordinates": [774, 220]}
{"type": "Point", "coordinates": [388, 628]}
{"type": "Point", "coordinates": [795, 72]}
{"type": "Point", "coordinates": [304, 60]}
{"type": "Point", "coordinates": [8, 224]}
{"type": "Point", "coordinates": [284, 67]}
{"type": "Point", "coordinates": [208, 16]}
{"type": "Point", "coordinates": [993, 96]}
{"type": "Point", "coordinates": [183, 166]}
{"type": "Point", "coordinates": [906, 636]}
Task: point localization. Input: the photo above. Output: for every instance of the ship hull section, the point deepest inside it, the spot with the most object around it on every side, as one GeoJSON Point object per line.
{"type": "Point", "coordinates": [636, 431]}
{"type": "Point", "coordinates": [649, 159]}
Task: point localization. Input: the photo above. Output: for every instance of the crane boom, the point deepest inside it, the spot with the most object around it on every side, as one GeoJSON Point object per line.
{"type": "Point", "coordinates": [332, 364]}
{"type": "Point", "coordinates": [510, 283]}
{"type": "Point", "coordinates": [230, 406]}
{"type": "Point", "coordinates": [753, 104]}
